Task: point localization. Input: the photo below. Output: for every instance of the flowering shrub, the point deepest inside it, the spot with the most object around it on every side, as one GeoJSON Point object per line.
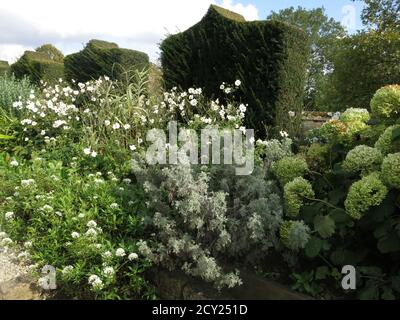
{"type": "Point", "coordinates": [363, 159]}
{"type": "Point", "coordinates": [288, 168]}
{"type": "Point", "coordinates": [391, 170]}
{"type": "Point", "coordinates": [386, 144]}
{"type": "Point", "coordinates": [369, 191]}
{"type": "Point", "coordinates": [77, 224]}
{"type": "Point", "coordinates": [386, 102]}
{"type": "Point", "coordinates": [295, 192]}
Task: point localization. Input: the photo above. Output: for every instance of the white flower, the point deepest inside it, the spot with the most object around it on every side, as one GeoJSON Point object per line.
{"type": "Point", "coordinates": [95, 282]}
{"type": "Point", "coordinates": [127, 126]}
{"type": "Point", "coordinates": [242, 108]}
{"type": "Point", "coordinates": [6, 241]}
{"type": "Point", "coordinates": [291, 114]}
{"type": "Point", "coordinates": [75, 235]}
{"type": "Point", "coordinates": [47, 208]}
{"type": "Point", "coordinates": [108, 271]}
{"type": "Point", "coordinates": [284, 134]}
{"type": "Point", "coordinates": [58, 123]}
{"type": "Point", "coordinates": [193, 102]}
{"type": "Point", "coordinates": [14, 163]}
{"type": "Point", "coordinates": [87, 151]}
{"type": "Point", "coordinates": [28, 244]}
{"type": "Point", "coordinates": [107, 122]}
{"type": "Point", "coordinates": [116, 126]}
{"type": "Point", "coordinates": [133, 256]}
{"type": "Point", "coordinates": [67, 270]}
{"type": "Point", "coordinates": [252, 140]}
{"type": "Point", "coordinates": [91, 233]}
{"type": "Point", "coordinates": [107, 254]}
{"type": "Point", "coordinates": [26, 183]}
{"type": "Point", "coordinates": [238, 83]}
{"type": "Point", "coordinates": [43, 132]}
{"type": "Point", "coordinates": [120, 252]}
{"type": "Point", "coordinates": [114, 205]}
{"type": "Point", "coordinates": [91, 224]}
{"type": "Point", "coordinates": [127, 181]}
{"type": "Point", "coordinates": [132, 147]}
{"type": "Point", "coordinates": [9, 216]}
{"type": "Point", "coordinates": [222, 87]}
{"type": "Point", "coordinates": [93, 154]}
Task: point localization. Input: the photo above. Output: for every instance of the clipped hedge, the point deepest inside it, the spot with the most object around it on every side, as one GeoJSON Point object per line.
{"type": "Point", "coordinates": [4, 67]}
{"type": "Point", "coordinates": [269, 57]}
{"type": "Point", "coordinates": [101, 58]}
{"type": "Point", "coordinates": [38, 66]}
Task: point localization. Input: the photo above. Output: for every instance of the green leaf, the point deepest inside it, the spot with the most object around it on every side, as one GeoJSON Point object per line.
{"type": "Point", "coordinates": [325, 226]}
{"type": "Point", "coordinates": [389, 244]}
{"type": "Point", "coordinates": [336, 196]}
{"type": "Point", "coordinates": [370, 293]}
{"type": "Point", "coordinates": [395, 134]}
{"type": "Point", "coordinates": [4, 137]}
{"type": "Point", "coordinates": [339, 216]}
{"type": "Point", "coordinates": [322, 273]}
{"type": "Point", "coordinates": [313, 247]}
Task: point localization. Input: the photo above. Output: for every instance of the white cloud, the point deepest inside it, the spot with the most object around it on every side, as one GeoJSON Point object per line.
{"type": "Point", "coordinates": [69, 24]}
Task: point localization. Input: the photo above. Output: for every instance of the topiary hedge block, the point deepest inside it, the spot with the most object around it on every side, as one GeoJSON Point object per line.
{"type": "Point", "coordinates": [4, 67]}
{"type": "Point", "coordinates": [37, 66]}
{"type": "Point", "coordinates": [101, 58]}
{"type": "Point", "coordinates": [269, 57]}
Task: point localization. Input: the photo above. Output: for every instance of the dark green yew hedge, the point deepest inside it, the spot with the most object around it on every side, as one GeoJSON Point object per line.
{"type": "Point", "coordinates": [101, 58]}
{"type": "Point", "coordinates": [38, 66]}
{"type": "Point", "coordinates": [269, 57]}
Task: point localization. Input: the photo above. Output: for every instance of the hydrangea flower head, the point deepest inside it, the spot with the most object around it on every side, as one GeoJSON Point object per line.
{"type": "Point", "coordinates": [386, 102]}
{"type": "Point", "coordinates": [289, 168]}
{"type": "Point", "coordinates": [294, 194]}
{"type": "Point", "coordinates": [364, 194]}
{"type": "Point", "coordinates": [385, 142]}
{"type": "Point", "coordinates": [363, 159]}
{"type": "Point", "coordinates": [391, 170]}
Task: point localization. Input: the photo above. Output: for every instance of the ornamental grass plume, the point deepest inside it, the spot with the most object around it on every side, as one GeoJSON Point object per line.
{"type": "Point", "coordinates": [391, 170]}
{"type": "Point", "coordinates": [364, 194]}
{"type": "Point", "coordinates": [363, 159]}
{"type": "Point", "coordinates": [294, 234]}
{"type": "Point", "coordinates": [289, 168]}
{"type": "Point", "coordinates": [294, 194]}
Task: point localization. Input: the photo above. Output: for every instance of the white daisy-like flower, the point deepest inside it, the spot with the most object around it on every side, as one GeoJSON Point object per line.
{"type": "Point", "coordinates": [107, 254]}
{"type": "Point", "coordinates": [132, 147]}
{"type": "Point", "coordinates": [120, 252]}
{"type": "Point", "coordinates": [91, 233]}
{"type": "Point", "coordinates": [127, 126]}
{"type": "Point", "coordinates": [116, 126]}
{"type": "Point", "coordinates": [238, 83]}
{"type": "Point", "coordinates": [107, 122]}
{"type": "Point", "coordinates": [284, 134]}
{"type": "Point", "coordinates": [95, 282]}
{"type": "Point", "coordinates": [291, 114]}
{"type": "Point", "coordinates": [242, 108]}
{"type": "Point", "coordinates": [93, 154]}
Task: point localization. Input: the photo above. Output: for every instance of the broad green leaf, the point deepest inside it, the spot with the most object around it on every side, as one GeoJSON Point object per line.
{"type": "Point", "coordinates": [370, 293]}
{"type": "Point", "coordinates": [325, 226]}
{"type": "Point", "coordinates": [389, 244]}
{"type": "Point", "coordinates": [313, 247]}
{"type": "Point", "coordinates": [322, 273]}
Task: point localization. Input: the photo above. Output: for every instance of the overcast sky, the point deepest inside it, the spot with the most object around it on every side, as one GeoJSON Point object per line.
{"type": "Point", "coordinates": [135, 24]}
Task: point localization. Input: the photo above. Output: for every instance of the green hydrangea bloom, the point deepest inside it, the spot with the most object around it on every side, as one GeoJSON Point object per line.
{"type": "Point", "coordinates": [386, 102]}
{"type": "Point", "coordinates": [333, 130]}
{"type": "Point", "coordinates": [364, 194]}
{"type": "Point", "coordinates": [385, 143]}
{"type": "Point", "coordinates": [363, 159]}
{"type": "Point", "coordinates": [317, 155]}
{"type": "Point", "coordinates": [355, 115]}
{"type": "Point", "coordinates": [289, 168]}
{"type": "Point", "coordinates": [294, 194]}
{"type": "Point", "coordinates": [391, 170]}
{"type": "Point", "coordinates": [294, 234]}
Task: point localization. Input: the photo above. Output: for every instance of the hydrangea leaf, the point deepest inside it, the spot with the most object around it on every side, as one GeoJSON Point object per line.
{"type": "Point", "coordinates": [324, 225]}
{"type": "Point", "coordinates": [389, 244]}
{"type": "Point", "coordinates": [313, 247]}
